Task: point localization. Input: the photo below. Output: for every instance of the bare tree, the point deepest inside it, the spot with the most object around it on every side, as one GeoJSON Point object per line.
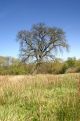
{"type": "Point", "coordinates": [41, 42]}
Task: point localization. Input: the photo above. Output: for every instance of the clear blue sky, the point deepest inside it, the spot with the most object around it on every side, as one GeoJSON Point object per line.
{"type": "Point", "coordinates": [16, 15]}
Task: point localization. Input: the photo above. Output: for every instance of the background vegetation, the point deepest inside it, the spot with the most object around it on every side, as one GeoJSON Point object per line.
{"type": "Point", "coordinates": [11, 66]}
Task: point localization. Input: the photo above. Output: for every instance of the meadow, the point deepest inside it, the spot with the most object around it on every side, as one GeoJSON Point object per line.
{"type": "Point", "coordinates": [40, 97]}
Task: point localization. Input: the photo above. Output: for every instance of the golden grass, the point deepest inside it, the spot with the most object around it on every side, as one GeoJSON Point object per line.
{"type": "Point", "coordinates": [39, 97]}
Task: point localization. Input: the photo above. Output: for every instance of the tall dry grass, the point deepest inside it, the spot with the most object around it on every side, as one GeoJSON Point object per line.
{"type": "Point", "coordinates": [40, 98]}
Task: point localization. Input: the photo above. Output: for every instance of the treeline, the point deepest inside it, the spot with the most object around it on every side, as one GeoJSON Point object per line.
{"type": "Point", "coordinates": [58, 66]}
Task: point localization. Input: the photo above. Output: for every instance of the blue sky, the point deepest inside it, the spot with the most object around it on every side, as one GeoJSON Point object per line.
{"type": "Point", "coordinates": [16, 15]}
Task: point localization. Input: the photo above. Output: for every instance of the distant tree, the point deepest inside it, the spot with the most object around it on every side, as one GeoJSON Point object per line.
{"type": "Point", "coordinates": [71, 62]}
{"type": "Point", "coordinates": [41, 42]}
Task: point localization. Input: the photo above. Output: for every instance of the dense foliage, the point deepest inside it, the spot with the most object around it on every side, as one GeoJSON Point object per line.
{"type": "Point", "coordinates": [71, 65]}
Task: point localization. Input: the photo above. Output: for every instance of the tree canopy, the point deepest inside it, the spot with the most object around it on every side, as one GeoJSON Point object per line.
{"type": "Point", "coordinates": [41, 42]}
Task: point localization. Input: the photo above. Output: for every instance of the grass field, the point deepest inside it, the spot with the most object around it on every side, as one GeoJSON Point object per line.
{"type": "Point", "coordinates": [40, 98]}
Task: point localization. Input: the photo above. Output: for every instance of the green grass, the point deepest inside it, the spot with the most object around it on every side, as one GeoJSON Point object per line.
{"type": "Point", "coordinates": [40, 98]}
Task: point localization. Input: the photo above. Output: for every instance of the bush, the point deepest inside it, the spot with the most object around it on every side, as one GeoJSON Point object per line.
{"type": "Point", "coordinates": [56, 67]}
